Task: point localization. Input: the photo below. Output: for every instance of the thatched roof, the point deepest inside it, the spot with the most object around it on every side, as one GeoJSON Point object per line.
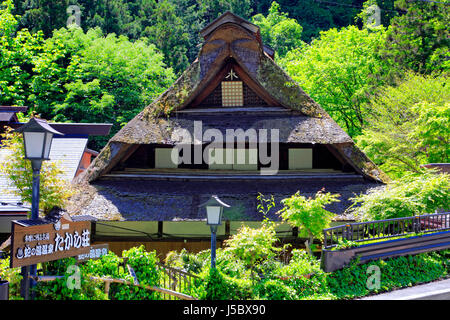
{"type": "Point", "coordinates": [298, 117]}
{"type": "Point", "coordinates": [178, 200]}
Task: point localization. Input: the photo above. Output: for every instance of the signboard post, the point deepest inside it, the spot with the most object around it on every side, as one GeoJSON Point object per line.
{"type": "Point", "coordinates": [35, 241]}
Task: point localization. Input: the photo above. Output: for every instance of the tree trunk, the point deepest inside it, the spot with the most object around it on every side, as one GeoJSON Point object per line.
{"type": "Point", "coordinates": [308, 243]}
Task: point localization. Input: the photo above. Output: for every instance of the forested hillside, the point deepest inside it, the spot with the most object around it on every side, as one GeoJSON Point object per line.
{"type": "Point", "coordinates": [385, 83]}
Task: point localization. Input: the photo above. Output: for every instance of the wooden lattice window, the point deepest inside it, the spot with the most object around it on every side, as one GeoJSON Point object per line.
{"type": "Point", "coordinates": [232, 94]}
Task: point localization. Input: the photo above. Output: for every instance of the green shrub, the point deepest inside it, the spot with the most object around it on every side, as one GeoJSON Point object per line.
{"type": "Point", "coordinates": [351, 281]}
{"type": "Point", "coordinates": [106, 266]}
{"type": "Point", "coordinates": [301, 263]}
{"type": "Point", "coordinates": [217, 286]}
{"type": "Point", "coordinates": [253, 246]}
{"type": "Point", "coordinates": [309, 214]}
{"type": "Point", "coordinates": [189, 262]}
{"type": "Point", "coordinates": [307, 288]}
{"type": "Point", "coordinates": [407, 196]}
{"type": "Point", "coordinates": [13, 276]}
{"type": "Point", "coordinates": [144, 265]}
{"type": "Point", "coordinates": [276, 290]}
{"type": "Point", "coordinates": [60, 289]}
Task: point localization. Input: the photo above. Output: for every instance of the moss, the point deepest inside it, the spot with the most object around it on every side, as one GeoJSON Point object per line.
{"type": "Point", "coordinates": [284, 89]}
{"type": "Point", "coordinates": [360, 160]}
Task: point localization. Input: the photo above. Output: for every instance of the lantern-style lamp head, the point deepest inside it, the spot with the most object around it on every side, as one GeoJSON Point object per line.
{"type": "Point", "coordinates": [214, 210]}
{"type": "Point", "coordinates": [37, 138]}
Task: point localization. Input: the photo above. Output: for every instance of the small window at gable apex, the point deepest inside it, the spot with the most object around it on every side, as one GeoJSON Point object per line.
{"type": "Point", "coordinates": [232, 90]}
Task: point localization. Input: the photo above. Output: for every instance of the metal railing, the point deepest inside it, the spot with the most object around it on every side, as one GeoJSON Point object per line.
{"type": "Point", "coordinates": [175, 280]}
{"type": "Point", "coordinates": [385, 229]}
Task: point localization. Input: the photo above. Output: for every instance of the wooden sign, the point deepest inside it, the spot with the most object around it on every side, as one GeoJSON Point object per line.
{"type": "Point", "coordinates": [96, 251]}
{"type": "Point", "coordinates": [35, 241]}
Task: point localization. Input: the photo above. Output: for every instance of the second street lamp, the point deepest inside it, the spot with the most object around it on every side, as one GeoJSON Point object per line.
{"type": "Point", "coordinates": [214, 211]}
{"type": "Point", "coordinates": [37, 139]}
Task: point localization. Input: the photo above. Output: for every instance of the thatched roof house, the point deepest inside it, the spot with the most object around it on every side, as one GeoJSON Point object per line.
{"type": "Point", "coordinates": [233, 86]}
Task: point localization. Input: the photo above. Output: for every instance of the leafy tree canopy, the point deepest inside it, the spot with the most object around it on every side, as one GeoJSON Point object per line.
{"type": "Point", "coordinates": [338, 70]}
{"type": "Point", "coordinates": [419, 39]}
{"type": "Point", "coordinates": [54, 191]}
{"type": "Point", "coordinates": [408, 125]}
{"type": "Point", "coordinates": [278, 31]}
{"type": "Point", "coordinates": [410, 195]}
{"type": "Point", "coordinates": [78, 76]}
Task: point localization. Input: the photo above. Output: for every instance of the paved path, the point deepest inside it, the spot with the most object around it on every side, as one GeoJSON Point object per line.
{"type": "Point", "coordinates": [438, 290]}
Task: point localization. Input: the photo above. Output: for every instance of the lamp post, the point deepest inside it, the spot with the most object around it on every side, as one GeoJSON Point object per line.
{"type": "Point", "coordinates": [214, 211]}
{"type": "Point", "coordinates": [37, 139]}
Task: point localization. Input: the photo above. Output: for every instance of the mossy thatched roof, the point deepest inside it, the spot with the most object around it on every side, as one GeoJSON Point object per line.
{"type": "Point", "coordinates": [307, 122]}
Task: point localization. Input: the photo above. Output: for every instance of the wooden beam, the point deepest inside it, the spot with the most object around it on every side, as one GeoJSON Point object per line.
{"type": "Point", "coordinates": [217, 79]}
{"type": "Point", "coordinates": [209, 88]}
{"type": "Point", "coordinates": [160, 229]}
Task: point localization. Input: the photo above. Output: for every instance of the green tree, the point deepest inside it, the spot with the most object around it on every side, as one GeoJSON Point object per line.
{"type": "Point", "coordinates": [108, 79]}
{"type": "Point", "coordinates": [309, 214]}
{"type": "Point", "coordinates": [278, 31]}
{"type": "Point", "coordinates": [212, 9]}
{"type": "Point", "coordinates": [77, 76]}
{"type": "Point", "coordinates": [253, 245]}
{"type": "Point", "coordinates": [419, 39]}
{"type": "Point", "coordinates": [315, 16]}
{"type": "Point", "coordinates": [17, 52]}
{"type": "Point", "coordinates": [54, 191]}
{"type": "Point", "coordinates": [168, 33]}
{"type": "Point", "coordinates": [413, 194]}
{"type": "Point", "coordinates": [408, 125]}
{"type": "Point", "coordinates": [42, 15]}
{"type": "Point", "coordinates": [338, 70]}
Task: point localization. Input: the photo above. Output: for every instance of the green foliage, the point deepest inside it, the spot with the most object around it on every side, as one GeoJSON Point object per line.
{"type": "Point", "coordinates": [18, 50]}
{"type": "Point", "coordinates": [309, 213]}
{"type": "Point", "coordinates": [300, 264]}
{"type": "Point", "coordinates": [253, 246]}
{"type": "Point", "coordinates": [346, 244]}
{"type": "Point", "coordinates": [276, 290]}
{"type": "Point", "coordinates": [419, 39]}
{"type": "Point", "coordinates": [408, 125]}
{"type": "Point", "coordinates": [408, 196]}
{"type": "Point", "coordinates": [315, 16]}
{"type": "Point", "coordinates": [109, 79]}
{"type": "Point", "coordinates": [351, 281]}
{"type": "Point", "coordinates": [338, 70]}
{"type": "Point", "coordinates": [217, 286]}
{"type": "Point", "coordinates": [109, 266]}
{"type": "Point", "coordinates": [77, 76]}
{"type": "Point", "coordinates": [168, 33]}
{"type": "Point", "coordinates": [278, 31]}
{"type": "Point", "coordinates": [54, 191]}
{"type": "Point", "coordinates": [184, 260]}
{"type": "Point", "coordinates": [13, 276]}
{"type": "Point", "coordinates": [60, 290]}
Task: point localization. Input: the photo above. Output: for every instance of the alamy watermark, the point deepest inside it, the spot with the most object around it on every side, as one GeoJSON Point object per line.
{"type": "Point", "coordinates": [74, 279]}
{"type": "Point", "coordinates": [374, 277]}
{"type": "Point", "coordinates": [233, 147]}
{"type": "Point", "coordinates": [74, 13]}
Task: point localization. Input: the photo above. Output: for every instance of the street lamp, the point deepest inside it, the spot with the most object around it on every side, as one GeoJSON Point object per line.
{"type": "Point", "coordinates": [214, 210]}
{"type": "Point", "coordinates": [37, 139]}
